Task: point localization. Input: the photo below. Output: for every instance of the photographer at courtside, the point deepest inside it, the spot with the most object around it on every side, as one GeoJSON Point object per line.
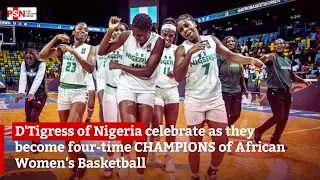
{"type": "Point", "coordinates": [280, 77]}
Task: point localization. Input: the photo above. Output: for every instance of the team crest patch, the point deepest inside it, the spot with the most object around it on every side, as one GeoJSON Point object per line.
{"type": "Point", "coordinates": [149, 48]}
{"type": "Point", "coordinates": [208, 44]}
{"type": "Point", "coordinates": [83, 50]}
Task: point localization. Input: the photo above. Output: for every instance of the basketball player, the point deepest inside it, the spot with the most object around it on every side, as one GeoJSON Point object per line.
{"type": "Point", "coordinates": [136, 84]}
{"type": "Point", "coordinates": [196, 59]}
{"type": "Point", "coordinates": [73, 95]}
{"type": "Point", "coordinates": [107, 81]}
{"type": "Point", "coordinates": [91, 90]}
{"type": "Point", "coordinates": [280, 77]}
{"type": "Point", "coordinates": [167, 95]}
{"type": "Point", "coordinates": [103, 68]}
{"type": "Point", "coordinates": [32, 75]}
{"type": "Point", "coordinates": [232, 81]}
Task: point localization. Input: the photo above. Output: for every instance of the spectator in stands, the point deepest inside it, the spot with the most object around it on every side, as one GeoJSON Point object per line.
{"type": "Point", "coordinates": [280, 77]}
{"type": "Point", "coordinates": [2, 81]}
{"type": "Point", "coordinates": [318, 37]}
{"type": "Point", "coordinates": [263, 52]}
{"type": "Point", "coordinates": [303, 55]}
{"type": "Point", "coordinates": [249, 44]}
{"type": "Point", "coordinates": [313, 38]}
{"type": "Point", "coordinates": [305, 68]}
{"type": "Point", "coordinates": [298, 51]}
{"type": "Point", "coordinates": [252, 71]}
{"type": "Point", "coordinates": [246, 74]}
{"type": "Point", "coordinates": [297, 65]}
{"type": "Point", "coordinates": [243, 49]}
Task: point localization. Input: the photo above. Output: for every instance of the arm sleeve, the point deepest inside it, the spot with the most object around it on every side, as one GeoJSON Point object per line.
{"type": "Point", "coordinates": [39, 78]}
{"type": "Point", "coordinates": [23, 78]}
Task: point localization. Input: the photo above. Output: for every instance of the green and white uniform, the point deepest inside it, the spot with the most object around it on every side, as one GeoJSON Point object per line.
{"type": "Point", "coordinates": [73, 80]}
{"type": "Point", "coordinates": [203, 99]}
{"type": "Point", "coordinates": [138, 89]}
{"type": "Point", "coordinates": [166, 88]}
{"type": "Point", "coordinates": [108, 80]}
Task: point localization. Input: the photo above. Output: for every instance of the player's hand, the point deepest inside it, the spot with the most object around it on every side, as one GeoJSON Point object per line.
{"type": "Point", "coordinates": [197, 47]}
{"type": "Point", "coordinates": [256, 62]}
{"type": "Point", "coordinates": [270, 57]}
{"type": "Point", "coordinates": [308, 83]}
{"type": "Point", "coordinates": [63, 37]}
{"type": "Point", "coordinates": [170, 74]}
{"type": "Point", "coordinates": [65, 48]}
{"type": "Point", "coordinates": [246, 93]}
{"type": "Point", "coordinates": [30, 97]}
{"type": "Point", "coordinates": [114, 22]}
{"type": "Point", "coordinates": [114, 65]}
{"type": "Point", "coordinates": [18, 98]}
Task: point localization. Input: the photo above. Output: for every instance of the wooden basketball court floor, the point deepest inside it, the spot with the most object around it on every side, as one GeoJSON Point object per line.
{"type": "Point", "coordinates": [301, 161]}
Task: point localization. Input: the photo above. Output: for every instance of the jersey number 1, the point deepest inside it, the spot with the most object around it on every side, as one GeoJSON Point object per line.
{"type": "Point", "coordinates": [69, 69]}
{"type": "Point", "coordinates": [206, 68]}
{"type": "Point", "coordinates": [166, 70]}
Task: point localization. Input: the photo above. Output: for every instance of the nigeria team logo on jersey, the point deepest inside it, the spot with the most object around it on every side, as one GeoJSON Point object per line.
{"type": "Point", "coordinates": [139, 60]}
{"type": "Point", "coordinates": [167, 60]}
{"type": "Point", "coordinates": [202, 58]}
{"type": "Point", "coordinates": [115, 55]}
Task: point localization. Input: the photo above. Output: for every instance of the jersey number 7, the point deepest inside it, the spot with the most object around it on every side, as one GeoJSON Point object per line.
{"type": "Point", "coordinates": [206, 68]}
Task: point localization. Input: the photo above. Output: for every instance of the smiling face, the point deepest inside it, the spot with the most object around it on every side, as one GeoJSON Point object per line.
{"type": "Point", "coordinates": [121, 28]}
{"type": "Point", "coordinates": [168, 36]}
{"type": "Point", "coordinates": [231, 43]}
{"type": "Point", "coordinates": [279, 45]}
{"type": "Point", "coordinates": [187, 29]}
{"type": "Point", "coordinates": [81, 32]}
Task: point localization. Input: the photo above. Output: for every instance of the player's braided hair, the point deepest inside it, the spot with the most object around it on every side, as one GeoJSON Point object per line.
{"type": "Point", "coordinates": [188, 16]}
{"type": "Point", "coordinates": [142, 21]}
{"type": "Point", "coordinates": [169, 20]}
{"type": "Point", "coordinates": [125, 25]}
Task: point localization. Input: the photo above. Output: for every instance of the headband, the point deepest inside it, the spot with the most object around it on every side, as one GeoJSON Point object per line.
{"type": "Point", "coordinates": [169, 26]}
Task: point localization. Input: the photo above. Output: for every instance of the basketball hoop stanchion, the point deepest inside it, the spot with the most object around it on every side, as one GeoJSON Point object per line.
{"type": "Point", "coordinates": [0, 44]}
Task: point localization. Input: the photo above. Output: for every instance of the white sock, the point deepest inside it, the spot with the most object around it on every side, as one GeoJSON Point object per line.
{"type": "Point", "coordinates": [197, 175]}
{"type": "Point", "coordinates": [213, 167]}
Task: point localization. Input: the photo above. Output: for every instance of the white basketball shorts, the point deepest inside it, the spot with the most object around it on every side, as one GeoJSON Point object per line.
{"type": "Point", "coordinates": [196, 113]}
{"type": "Point", "coordinates": [68, 96]}
{"type": "Point", "coordinates": [166, 96]}
{"type": "Point", "coordinates": [139, 98]}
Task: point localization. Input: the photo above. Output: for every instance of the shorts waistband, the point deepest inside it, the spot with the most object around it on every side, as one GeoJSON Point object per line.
{"type": "Point", "coordinates": [71, 86]}
{"type": "Point", "coordinates": [279, 89]}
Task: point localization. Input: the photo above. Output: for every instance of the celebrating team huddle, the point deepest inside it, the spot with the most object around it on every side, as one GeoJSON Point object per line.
{"type": "Point", "coordinates": [136, 73]}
